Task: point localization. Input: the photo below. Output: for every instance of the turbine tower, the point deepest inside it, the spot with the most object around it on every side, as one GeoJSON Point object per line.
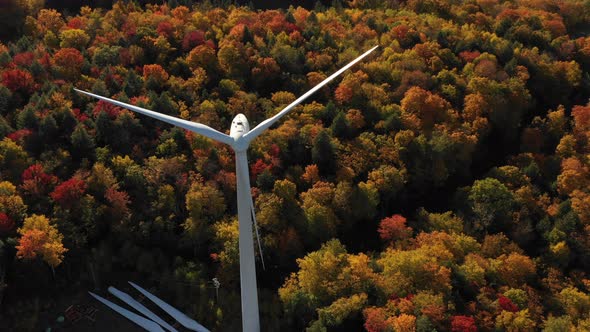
{"type": "Point", "coordinates": [239, 139]}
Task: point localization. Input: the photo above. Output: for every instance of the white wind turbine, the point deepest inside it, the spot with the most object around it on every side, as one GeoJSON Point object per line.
{"type": "Point", "coordinates": [239, 139]}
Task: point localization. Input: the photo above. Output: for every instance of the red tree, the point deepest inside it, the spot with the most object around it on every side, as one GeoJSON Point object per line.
{"type": "Point", "coordinates": [76, 23]}
{"type": "Point", "coordinates": [70, 59]}
{"type": "Point", "coordinates": [36, 181]}
{"type": "Point", "coordinates": [111, 110]}
{"type": "Point", "coordinates": [375, 320]}
{"type": "Point", "coordinates": [119, 201]}
{"type": "Point", "coordinates": [6, 223]}
{"type": "Point", "coordinates": [156, 72]}
{"type": "Point", "coordinates": [469, 56]}
{"type": "Point", "coordinates": [258, 167]}
{"type": "Point", "coordinates": [507, 304]}
{"type": "Point", "coordinates": [165, 29]}
{"type": "Point", "coordinates": [18, 80]}
{"type": "Point", "coordinates": [193, 39]}
{"type": "Point", "coordinates": [463, 324]}
{"type": "Point", "coordinates": [19, 135]}
{"type": "Point", "coordinates": [69, 192]}
{"type": "Point", "coordinates": [24, 59]}
{"type": "Point", "coordinates": [394, 228]}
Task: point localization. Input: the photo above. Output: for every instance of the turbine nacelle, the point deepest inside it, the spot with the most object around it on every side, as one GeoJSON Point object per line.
{"type": "Point", "coordinates": [239, 126]}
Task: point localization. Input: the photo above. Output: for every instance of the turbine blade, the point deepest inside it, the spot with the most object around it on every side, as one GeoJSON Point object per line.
{"type": "Point", "coordinates": [183, 319]}
{"type": "Point", "coordinates": [252, 134]}
{"type": "Point", "coordinates": [137, 319]}
{"type": "Point", "coordinates": [245, 175]}
{"type": "Point", "coordinates": [188, 125]}
{"type": "Point", "coordinates": [141, 308]}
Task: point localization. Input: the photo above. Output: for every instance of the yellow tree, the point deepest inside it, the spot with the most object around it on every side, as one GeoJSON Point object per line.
{"type": "Point", "coordinates": [40, 238]}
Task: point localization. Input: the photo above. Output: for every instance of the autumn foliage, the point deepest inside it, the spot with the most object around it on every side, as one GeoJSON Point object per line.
{"type": "Point", "coordinates": [69, 192]}
{"type": "Point", "coordinates": [441, 183]}
{"type": "Point", "coordinates": [394, 228]}
{"type": "Point", "coordinates": [40, 238]}
{"type": "Point", "coordinates": [18, 80]}
{"type": "Point", "coordinates": [463, 324]}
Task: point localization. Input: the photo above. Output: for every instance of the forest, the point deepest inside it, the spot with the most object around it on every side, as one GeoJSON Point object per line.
{"type": "Point", "coordinates": [441, 184]}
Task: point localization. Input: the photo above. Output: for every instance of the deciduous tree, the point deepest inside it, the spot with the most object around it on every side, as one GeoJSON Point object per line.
{"type": "Point", "coordinates": [40, 237]}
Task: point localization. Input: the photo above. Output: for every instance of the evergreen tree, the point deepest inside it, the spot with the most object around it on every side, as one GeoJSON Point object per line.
{"type": "Point", "coordinates": [104, 128]}
{"type": "Point", "coordinates": [100, 88]}
{"type": "Point", "coordinates": [133, 83]}
{"type": "Point", "coordinates": [164, 104]}
{"type": "Point", "coordinates": [323, 153]}
{"type": "Point", "coordinates": [82, 143]}
{"type": "Point", "coordinates": [5, 96]}
{"type": "Point", "coordinates": [247, 37]}
{"type": "Point", "coordinates": [340, 127]}
{"type": "Point", "coordinates": [48, 129]}
{"type": "Point", "coordinates": [5, 128]}
{"type": "Point", "coordinates": [27, 119]}
{"type": "Point", "coordinates": [329, 112]}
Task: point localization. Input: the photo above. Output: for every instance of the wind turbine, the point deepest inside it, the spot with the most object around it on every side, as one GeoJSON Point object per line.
{"type": "Point", "coordinates": [239, 139]}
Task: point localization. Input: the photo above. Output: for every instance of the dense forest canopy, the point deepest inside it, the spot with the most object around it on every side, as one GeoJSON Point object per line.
{"type": "Point", "coordinates": [443, 183]}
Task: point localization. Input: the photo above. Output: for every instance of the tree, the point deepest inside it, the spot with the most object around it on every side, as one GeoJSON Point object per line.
{"type": "Point", "coordinates": [515, 321]}
{"type": "Point", "coordinates": [100, 179]}
{"type": "Point", "coordinates": [13, 160]}
{"type": "Point", "coordinates": [155, 76]}
{"type": "Point", "coordinates": [388, 179]}
{"type": "Point", "coordinates": [68, 62]}
{"type": "Point", "coordinates": [558, 324]}
{"type": "Point", "coordinates": [394, 228]}
{"type": "Point", "coordinates": [27, 119]}
{"type": "Point", "coordinates": [133, 83]}
{"type": "Point", "coordinates": [575, 302]}
{"type": "Point", "coordinates": [40, 237]}
{"type": "Point", "coordinates": [74, 38]}
{"type": "Point", "coordinates": [424, 109]}
{"type": "Point", "coordinates": [323, 153]}
{"type": "Point", "coordinates": [203, 56]}
{"type": "Point", "coordinates": [232, 60]}
{"type": "Point", "coordinates": [6, 224]}
{"type": "Point", "coordinates": [192, 39]}
{"type": "Point", "coordinates": [324, 276]}
{"type": "Point", "coordinates": [11, 203]}
{"type": "Point", "coordinates": [5, 99]}
{"type": "Point", "coordinates": [18, 80]}
{"type": "Point", "coordinates": [82, 143]}
{"type": "Point", "coordinates": [205, 205]}
{"type": "Point", "coordinates": [322, 221]}
{"type": "Point", "coordinates": [574, 176]}
{"type": "Point", "coordinates": [48, 129]}
{"type": "Point", "coordinates": [376, 320]}
{"type": "Point", "coordinates": [446, 222]}
{"type": "Point", "coordinates": [406, 272]}
{"type": "Point", "coordinates": [506, 304]}
{"type": "Point", "coordinates": [515, 269]}
{"type": "Point", "coordinates": [119, 201]}
{"type": "Point", "coordinates": [340, 126]}
{"type": "Point", "coordinates": [492, 203]}
{"type": "Point", "coordinates": [106, 55]}
{"type": "Point", "coordinates": [404, 323]}
{"type": "Point", "coordinates": [50, 20]}
{"type": "Point", "coordinates": [36, 182]}
{"type": "Point", "coordinates": [5, 128]}
{"type": "Point", "coordinates": [69, 192]}
{"type": "Point", "coordinates": [346, 307]}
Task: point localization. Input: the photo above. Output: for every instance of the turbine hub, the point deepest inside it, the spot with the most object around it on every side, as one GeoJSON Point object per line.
{"type": "Point", "coordinates": [239, 126]}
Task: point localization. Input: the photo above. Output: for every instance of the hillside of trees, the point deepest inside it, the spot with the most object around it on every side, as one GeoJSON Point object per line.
{"type": "Point", "coordinates": [441, 184]}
